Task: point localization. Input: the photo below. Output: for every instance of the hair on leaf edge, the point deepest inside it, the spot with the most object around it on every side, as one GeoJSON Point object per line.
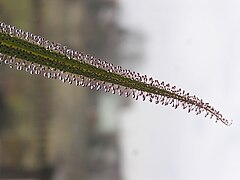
{"type": "Point", "coordinates": [36, 55]}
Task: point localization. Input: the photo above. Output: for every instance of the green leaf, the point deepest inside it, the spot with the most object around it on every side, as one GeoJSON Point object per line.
{"type": "Point", "coordinates": [36, 55]}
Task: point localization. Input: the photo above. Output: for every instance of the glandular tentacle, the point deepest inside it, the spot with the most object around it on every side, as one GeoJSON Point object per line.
{"type": "Point", "coordinates": [34, 54]}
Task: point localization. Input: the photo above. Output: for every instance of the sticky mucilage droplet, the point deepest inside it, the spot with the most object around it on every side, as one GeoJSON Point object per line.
{"type": "Point", "coordinates": [39, 56]}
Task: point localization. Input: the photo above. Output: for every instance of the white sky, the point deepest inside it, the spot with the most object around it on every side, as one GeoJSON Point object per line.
{"type": "Point", "coordinates": [196, 46]}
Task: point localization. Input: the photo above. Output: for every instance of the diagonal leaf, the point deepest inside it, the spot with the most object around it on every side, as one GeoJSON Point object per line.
{"type": "Point", "coordinates": [36, 55]}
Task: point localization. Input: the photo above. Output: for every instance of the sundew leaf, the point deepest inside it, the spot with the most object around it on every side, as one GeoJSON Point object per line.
{"type": "Point", "coordinates": [36, 55]}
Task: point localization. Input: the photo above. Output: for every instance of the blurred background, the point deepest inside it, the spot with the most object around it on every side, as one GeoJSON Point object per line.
{"type": "Point", "coordinates": [54, 131]}
{"type": "Point", "coordinates": [50, 130]}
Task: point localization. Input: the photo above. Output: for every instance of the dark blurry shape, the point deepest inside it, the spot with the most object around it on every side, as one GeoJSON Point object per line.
{"type": "Point", "coordinates": [5, 115]}
{"type": "Point", "coordinates": [43, 105]}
